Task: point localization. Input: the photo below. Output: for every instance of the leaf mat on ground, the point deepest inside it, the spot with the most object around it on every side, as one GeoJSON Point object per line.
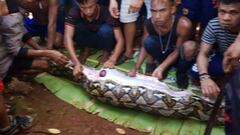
{"type": "Point", "coordinates": [155, 125]}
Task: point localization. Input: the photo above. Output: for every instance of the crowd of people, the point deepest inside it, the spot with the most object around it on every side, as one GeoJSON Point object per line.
{"type": "Point", "coordinates": [200, 38]}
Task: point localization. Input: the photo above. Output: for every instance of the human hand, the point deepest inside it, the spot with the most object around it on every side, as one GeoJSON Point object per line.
{"type": "Point", "coordinates": [158, 72]}
{"type": "Point", "coordinates": [135, 6]}
{"type": "Point", "coordinates": [233, 51]}
{"type": "Point", "coordinates": [113, 9]}
{"type": "Point", "coordinates": [77, 71]}
{"type": "Point", "coordinates": [109, 64]}
{"type": "Point", "coordinates": [58, 57]}
{"type": "Point", "coordinates": [209, 88]}
{"type": "Point", "coordinates": [230, 64]}
{"type": "Point", "coordinates": [133, 72]}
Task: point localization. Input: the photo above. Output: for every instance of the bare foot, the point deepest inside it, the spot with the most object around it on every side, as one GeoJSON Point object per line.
{"type": "Point", "coordinates": [105, 57]}
{"type": "Point", "coordinates": [82, 58]}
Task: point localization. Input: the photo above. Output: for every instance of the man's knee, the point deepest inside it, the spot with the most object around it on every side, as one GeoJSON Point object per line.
{"type": "Point", "coordinates": [106, 31]}
{"type": "Point", "coordinates": [149, 43]}
{"type": "Point", "coordinates": [190, 49]}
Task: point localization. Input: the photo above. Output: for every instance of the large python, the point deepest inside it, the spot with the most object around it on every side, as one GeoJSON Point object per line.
{"type": "Point", "coordinates": [143, 93]}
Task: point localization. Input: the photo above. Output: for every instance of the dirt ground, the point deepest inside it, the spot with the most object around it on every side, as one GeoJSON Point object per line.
{"type": "Point", "coordinates": [50, 112]}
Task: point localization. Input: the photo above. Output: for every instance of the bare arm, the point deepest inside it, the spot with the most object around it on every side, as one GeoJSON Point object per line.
{"type": "Point", "coordinates": [113, 9]}
{"type": "Point", "coordinates": [3, 8]}
{"type": "Point", "coordinates": [202, 58]}
{"type": "Point", "coordinates": [34, 44]}
{"type": "Point", "coordinates": [117, 50]}
{"type": "Point", "coordinates": [52, 19]}
{"type": "Point", "coordinates": [12, 34]}
{"type": "Point", "coordinates": [141, 56]}
{"type": "Point", "coordinates": [51, 54]}
{"type": "Point", "coordinates": [68, 43]}
{"type": "Point", "coordinates": [232, 55]}
{"type": "Point", "coordinates": [183, 32]}
{"type": "Point", "coordinates": [208, 86]}
{"type": "Point", "coordinates": [119, 44]}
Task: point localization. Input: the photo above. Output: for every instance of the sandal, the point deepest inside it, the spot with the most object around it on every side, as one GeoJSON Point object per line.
{"type": "Point", "coordinates": [122, 59]}
{"type": "Point", "coordinates": [18, 124]}
{"type": "Point", "coordinates": [150, 67]}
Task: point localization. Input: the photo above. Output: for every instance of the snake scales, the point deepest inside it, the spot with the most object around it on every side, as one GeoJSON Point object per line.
{"type": "Point", "coordinates": [143, 93]}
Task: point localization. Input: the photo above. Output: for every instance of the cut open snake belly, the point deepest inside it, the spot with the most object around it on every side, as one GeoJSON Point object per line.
{"type": "Point", "coordinates": [143, 93]}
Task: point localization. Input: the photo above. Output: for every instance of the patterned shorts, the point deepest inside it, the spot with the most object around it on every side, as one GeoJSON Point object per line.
{"type": "Point", "coordinates": [126, 17]}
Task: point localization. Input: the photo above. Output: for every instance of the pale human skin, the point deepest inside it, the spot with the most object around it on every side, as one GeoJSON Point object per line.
{"type": "Point", "coordinates": [229, 17]}
{"type": "Point", "coordinates": [232, 56]}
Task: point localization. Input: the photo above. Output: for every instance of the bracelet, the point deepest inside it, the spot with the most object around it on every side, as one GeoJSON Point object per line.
{"type": "Point", "coordinates": [204, 77]}
{"type": "Point", "coordinates": [202, 74]}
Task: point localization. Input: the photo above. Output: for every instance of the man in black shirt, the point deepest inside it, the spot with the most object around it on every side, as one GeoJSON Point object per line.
{"type": "Point", "coordinates": [95, 28]}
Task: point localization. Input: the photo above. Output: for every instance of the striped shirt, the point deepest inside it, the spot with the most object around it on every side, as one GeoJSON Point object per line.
{"type": "Point", "coordinates": [217, 36]}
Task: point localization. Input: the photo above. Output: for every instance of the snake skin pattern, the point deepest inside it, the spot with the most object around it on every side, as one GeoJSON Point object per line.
{"type": "Point", "coordinates": [144, 93]}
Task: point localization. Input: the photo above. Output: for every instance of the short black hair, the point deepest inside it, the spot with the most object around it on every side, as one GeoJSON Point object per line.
{"type": "Point", "coordinates": [172, 2]}
{"type": "Point", "coordinates": [83, 1]}
{"type": "Point", "coordinates": [229, 1]}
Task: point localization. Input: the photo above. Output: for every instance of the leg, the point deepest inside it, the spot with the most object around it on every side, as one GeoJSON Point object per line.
{"type": "Point", "coordinates": [129, 33]}
{"type": "Point", "coordinates": [105, 41]}
{"type": "Point", "coordinates": [59, 40]}
{"type": "Point", "coordinates": [141, 56]}
{"type": "Point", "coordinates": [215, 67]}
{"type": "Point", "coordinates": [186, 60]}
{"type": "Point", "coordinates": [60, 24]}
{"type": "Point", "coordinates": [84, 40]}
{"type": "Point", "coordinates": [129, 20]}
{"type": "Point", "coordinates": [104, 38]}
{"type": "Point", "coordinates": [22, 66]}
{"type": "Point", "coordinates": [85, 54]}
{"type": "Point", "coordinates": [153, 49]}
{"type": "Point", "coordinates": [143, 52]}
{"type": "Point", "coordinates": [14, 125]}
{"type": "Point", "coordinates": [190, 50]}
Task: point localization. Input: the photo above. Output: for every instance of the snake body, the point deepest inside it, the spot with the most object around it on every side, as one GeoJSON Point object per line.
{"type": "Point", "coordinates": [145, 93]}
